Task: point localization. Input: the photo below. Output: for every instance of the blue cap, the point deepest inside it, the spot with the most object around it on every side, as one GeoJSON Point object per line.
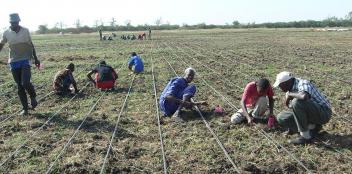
{"type": "Point", "coordinates": [14, 17]}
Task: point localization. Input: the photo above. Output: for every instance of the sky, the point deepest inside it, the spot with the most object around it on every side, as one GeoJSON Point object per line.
{"type": "Point", "coordinates": [49, 12]}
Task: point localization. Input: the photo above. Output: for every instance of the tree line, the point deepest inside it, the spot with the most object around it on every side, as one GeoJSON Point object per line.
{"type": "Point", "coordinates": [60, 27]}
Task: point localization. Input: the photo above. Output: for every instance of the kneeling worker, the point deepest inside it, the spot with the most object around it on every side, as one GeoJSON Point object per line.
{"type": "Point", "coordinates": [137, 62]}
{"type": "Point", "coordinates": [177, 94]}
{"type": "Point", "coordinates": [105, 76]}
{"type": "Point", "coordinates": [63, 81]}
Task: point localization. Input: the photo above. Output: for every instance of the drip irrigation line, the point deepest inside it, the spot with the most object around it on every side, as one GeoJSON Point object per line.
{"type": "Point", "coordinates": [289, 153]}
{"type": "Point", "coordinates": [211, 131]}
{"type": "Point", "coordinates": [116, 126]}
{"type": "Point", "coordinates": [158, 120]}
{"type": "Point", "coordinates": [232, 84]}
{"type": "Point", "coordinates": [74, 134]}
{"type": "Point", "coordinates": [11, 155]}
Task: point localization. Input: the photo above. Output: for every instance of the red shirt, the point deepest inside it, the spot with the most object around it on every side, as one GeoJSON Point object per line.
{"type": "Point", "coordinates": [250, 94]}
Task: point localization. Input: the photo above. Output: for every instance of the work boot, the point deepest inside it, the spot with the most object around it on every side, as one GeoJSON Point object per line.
{"type": "Point", "coordinates": [288, 132]}
{"type": "Point", "coordinates": [300, 141]}
{"type": "Point", "coordinates": [24, 112]}
{"type": "Point", "coordinates": [176, 117]}
{"type": "Point", "coordinates": [34, 102]}
{"type": "Point", "coordinates": [315, 132]}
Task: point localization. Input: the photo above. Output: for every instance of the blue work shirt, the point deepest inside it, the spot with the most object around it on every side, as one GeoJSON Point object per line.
{"type": "Point", "coordinates": [19, 64]}
{"type": "Point", "coordinates": [137, 62]}
{"type": "Point", "coordinates": [176, 87]}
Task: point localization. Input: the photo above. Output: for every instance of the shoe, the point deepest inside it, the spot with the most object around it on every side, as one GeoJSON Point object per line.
{"type": "Point", "coordinates": [177, 119]}
{"type": "Point", "coordinates": [315, 132]}
{"type": "Point", "coordinates": [288, 132]}
{"type": "Point", "coordinates": [24, 112]}
{"type": "Point", "coordinates": [300, 141]}
{"type": "Point", "coordinates": [34, 102]}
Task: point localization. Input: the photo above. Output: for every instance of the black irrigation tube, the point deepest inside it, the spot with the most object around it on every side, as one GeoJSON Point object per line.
{"type": "Point", "coordinates": [158, 120]}
{"type": "Point", "coordinates": [116, 126]}
{"type": "Point", "coordinates": [325, 73]}
{"type": "Point", "coordinates": [14, 96]}
{"type": "Point", "coordinates": [74, 134]}
{"type": "Point", "coordinates": [11, 155]}
{"type": "Point", "coordinates": [78, 128]}
{"type": "Point", "coordinates": [338, 116]}
{"type": "Point", "coordinates": [289, 153]}
{"type": "Point", "coordinates": [246, 64]}
{"type": "Point", "coordinates": [212, 132]}
{"type": "Point", "coordinates": [17, 112]}
{"type": "Point", "coordinates": [338, 151]}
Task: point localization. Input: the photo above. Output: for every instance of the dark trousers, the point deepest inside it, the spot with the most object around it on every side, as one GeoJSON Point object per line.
{"type": "Point", "coordinates": [22, 77]}
{"type": "Point", "coordinates": [304, 113]}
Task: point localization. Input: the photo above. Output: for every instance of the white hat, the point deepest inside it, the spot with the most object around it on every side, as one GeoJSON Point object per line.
{"type": "Point", "coordinates": [190, 69]}
{"type": "Point", "coordinates": [282, 77]}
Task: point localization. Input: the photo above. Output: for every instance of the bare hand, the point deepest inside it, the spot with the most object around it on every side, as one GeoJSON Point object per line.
{"type": "Point", "coordinates": [187, 104]}
{"type": "Point", "coordinates": [201, 103]}
{"type": "Point", "coordinates": [250, 120]}
{"type": "Point", "coordinates": [37, 62]}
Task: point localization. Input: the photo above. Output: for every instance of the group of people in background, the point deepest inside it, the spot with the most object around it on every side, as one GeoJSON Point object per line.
{"type": "Point", "coordinates": [307, 108]}
{"type": "Point", "coordinates": [141, 36]}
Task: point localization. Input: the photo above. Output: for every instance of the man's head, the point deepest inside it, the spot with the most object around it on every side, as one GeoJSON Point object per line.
{"type": "Point", "coordinates": [71, 67]}
{"type": "Point", "coordinates": [14, 20]}
{"type": "Point", "coordinates": [133, 54]}
{"type": "Point", "coordinates": [102, 62]}
{"type": "Point", "coordinates": [284, 80]}
{"type": "Point", "coordinates": [189, 74]}
{"type": "Point", "coordinates": [262, 85]}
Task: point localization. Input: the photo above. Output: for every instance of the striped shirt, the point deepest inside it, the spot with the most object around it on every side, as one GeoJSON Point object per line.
{"type": "Point", "coordinates": [301, 85]}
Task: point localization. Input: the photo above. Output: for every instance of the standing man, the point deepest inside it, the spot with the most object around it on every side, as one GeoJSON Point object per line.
{"type": "Point", "coordinates": [254, 102]}
{"type": "Point", "coordinates": [21, 51]}
{"type": "Point", "coordinates": [310, 108]}
{"type": "Point", "coordinates": [149, 33]}
{"type": "Point", "coordinates": [137, 62]}
{"type": "Point", "coordinates": [100, 34]}
{"type": "Point", "coordinates": [177, 94]}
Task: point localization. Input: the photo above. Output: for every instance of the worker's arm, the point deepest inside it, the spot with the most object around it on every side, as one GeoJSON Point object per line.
{"type": "Point", "coordinates": [298, 95]}
{"type": "Point", "coordinates": [245, 112]}
{"type": "Point", "coordinates": [179, 101]}
{"type": "Point", "coordinates": [74, 84]}
{"type": "Point", "coordinates": [89, 75]}
{"type": "Point", "coordinates": [271, 105]}
{"type": "Point", "coordinates": [34, 53]}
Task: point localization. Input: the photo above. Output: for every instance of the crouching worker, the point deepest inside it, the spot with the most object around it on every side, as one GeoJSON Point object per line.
{"type": "Point", "coordinates": [63, 81]}
{"type": "Point", "coordinates": [177, 94]}
{"type": "Point", "coordinates": [309, 109]}
{"type": "Point", "coordinates": [105, 76]}
{"type": "Point", "coordinates": [137, 62]}
{"type": "Point", "coordinates": [254, 103]}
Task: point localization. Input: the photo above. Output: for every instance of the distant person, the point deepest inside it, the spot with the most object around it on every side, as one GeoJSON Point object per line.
{"type": "Point", "coordinates": [105, 76]}
{"type": "Point", "coordinates": [135, 63]}
{"type": "Point", "coordinates": [254, 103]}
{"type": "Point", "coordinates": [133, 37]}
{"type": "Point", "coordinates": [100, 34]}
{"type": "Point", "coordinates": [177, 94]}
{"type": "Point", "coordinates": [21, 51]}
{"type": "Point", "coordinates": [149, 33]}
{"type": "Point", "coordinates": [63, 81]}
{"type": "Point", "coordinates": [310, 108]}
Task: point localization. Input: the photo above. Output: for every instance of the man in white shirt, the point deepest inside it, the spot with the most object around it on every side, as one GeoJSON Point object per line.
{"type": "Point", "coordinates": [21, 51]}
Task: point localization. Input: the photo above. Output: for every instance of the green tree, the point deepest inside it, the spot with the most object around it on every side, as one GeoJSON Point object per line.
{"type": "Point", "coordinates": [43, 29]}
